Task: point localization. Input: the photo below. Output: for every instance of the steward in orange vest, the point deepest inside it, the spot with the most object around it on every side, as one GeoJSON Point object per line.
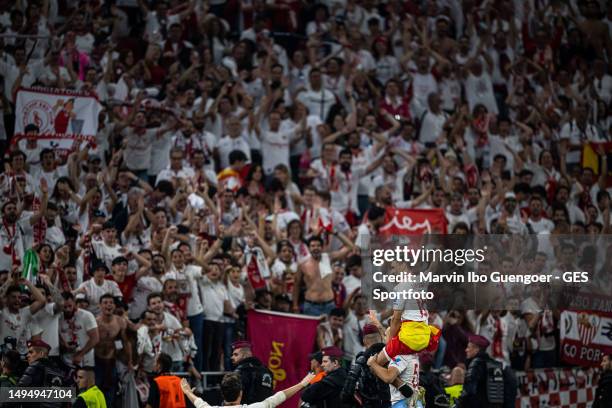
{"type": "Point", "coordinates": [165, 391]}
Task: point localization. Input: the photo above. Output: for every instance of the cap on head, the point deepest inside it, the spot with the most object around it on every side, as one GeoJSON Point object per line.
{"type": "Point", "coordinates": [333, 352]}
{"type": "Point", "coordinates": [39, 344]}
{"type": "Point", "coordinates": [370, 329]}
{"type": "Point", "coordinates": [240, 344]}
{"type": "Point", "coordinates": [479, 341]}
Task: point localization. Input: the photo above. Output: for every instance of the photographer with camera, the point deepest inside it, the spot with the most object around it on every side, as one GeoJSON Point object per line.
{"type": "Point", "coordinates": [361, 384]}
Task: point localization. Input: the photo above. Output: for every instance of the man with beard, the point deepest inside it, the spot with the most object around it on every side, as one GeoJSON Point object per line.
{"type": "Point", "coordinates": [361, 383]}
{"type": "Point", "coordinates": [16, 234]}
{"type": "Point", "coordinates": [326, 393]}
{"type": "Point", "coordinates": [113, 337]}
{"type": "Point", "coordinates": [316, 273]}
{"type": "Point", "coordinates": [15, 317]}
{"type": "Point", "coordinates": [172, 330]}
{"type": "Point", "coordinates": [256, 378]}
{"type": "Point", "coordinates": [78, 332]}
{"type": "Point", "coordinates": [536, 222]}
{"type": "Point", "coordinates": [344, 184]}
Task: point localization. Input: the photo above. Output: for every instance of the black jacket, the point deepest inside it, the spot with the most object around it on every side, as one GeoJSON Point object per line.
{"type": "Point", "coordinates": [372, 391]}
{"type": "Point", "coordinates": [326, 393]}
{"type": "Point", "coordinates": [256, 380]}
{"type": "Point", "coordinates": [41, 373]}
{"type": "Point", "coordinates": [474, 392]}
{"type": "Point", "coordinates": [603, 394]}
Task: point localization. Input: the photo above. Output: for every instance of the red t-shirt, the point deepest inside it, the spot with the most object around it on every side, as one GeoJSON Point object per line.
{"type": "Point", "coordinates": [126, 287]}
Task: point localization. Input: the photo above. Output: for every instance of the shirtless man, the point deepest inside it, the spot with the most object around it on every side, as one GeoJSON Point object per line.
{"type": "Point", "coordinates": [113, 338]}
{"type": "Point", "coordinates": [316, 272]}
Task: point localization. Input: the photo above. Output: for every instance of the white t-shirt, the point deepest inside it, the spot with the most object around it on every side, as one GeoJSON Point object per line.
{"type": "Point", "coordinates": [187, 282]}
{"type": "Point", "coordinates": [106, 253]}
{"type": "Point", "coordinates": [74, 331]}
{"type": "Point", "coordinates": [275, 146]}
{"type": "Point", "coordinates": [16, 326]}
{"type": "Point", "coordinates": [172, 347]}
{"type": "Point", "coordinates": [160, 153]}
{"type": "Point", "coordinates": [94, 292]}
{"type": "Point", "coordinates": [228, 144]}
{"type": "Point", "coordinates": [46, 322]}
{"type": "Point", "coordinates": [479, 90]}
{"type": "Point", "coordinates": [144, 286]}
{"type": "Point", "coordinates": [413, 310]}
{"type": "Point", "coordinates": [213, 296]}
{"type": "Point", "coordinates": [137, 153]}
{"type": "Point", "coordinates": [19, 236]}
{"type": "Point", "coordinates": [408, 367]}
{"type": "Point", "coordinates": [318, 102]}
{"type": "Point", "coordinates": [432, 126]}
{"type": "Point", "coordinates": [351, 283]}
{"type": "Point", "coordinates": [353, 332]}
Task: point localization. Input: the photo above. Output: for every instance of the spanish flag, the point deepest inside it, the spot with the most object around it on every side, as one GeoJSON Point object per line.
{"type": "Point", "coordinates": [591, 159]}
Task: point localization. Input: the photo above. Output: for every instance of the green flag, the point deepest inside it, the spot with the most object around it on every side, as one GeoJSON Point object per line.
{"type": "Point", "coordinates": [30, 266]}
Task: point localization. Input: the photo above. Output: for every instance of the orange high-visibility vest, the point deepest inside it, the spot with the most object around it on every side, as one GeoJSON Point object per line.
{"type": "Point", "coordinates": [170, 392]}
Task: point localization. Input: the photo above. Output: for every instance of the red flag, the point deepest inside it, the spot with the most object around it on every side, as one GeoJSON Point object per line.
{"type": "Point", "coordinates": [282, 341]}
{"type": "Point", "coordinates": [414, 222]}
{"type": "Point", "coordinates": [257, 282]}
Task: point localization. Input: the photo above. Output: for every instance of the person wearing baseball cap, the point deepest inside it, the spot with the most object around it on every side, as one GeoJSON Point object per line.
{"type": "Point", "coordinates": [256, 378]}
{"type": "Point", "coordinates": [326, 393]}
{"type": "Point", "coordinates": [487, 383]}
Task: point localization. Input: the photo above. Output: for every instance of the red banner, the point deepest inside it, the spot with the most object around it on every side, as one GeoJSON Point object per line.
{"type": "Point", "coordinates": [282, 341]}
{"type": "Point", "coordinates": [254, 275]}
{"type": "Point", "coordinates": [414, 222]}
{"type": "Point", "coordinates": [585, 337]}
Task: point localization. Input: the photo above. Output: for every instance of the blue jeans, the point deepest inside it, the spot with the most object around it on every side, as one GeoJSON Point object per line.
{"type": "Point", "coordinates": [196, 324]}
{"type": "Point", "coordinates": [439, 357]}
{"type": "Point", "coordinates": [318, 309]}
{"type": "Point", "coordinates": [228, 339]}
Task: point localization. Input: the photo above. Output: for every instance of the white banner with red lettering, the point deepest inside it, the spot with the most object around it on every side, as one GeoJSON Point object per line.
{"type": "Point", "coordinates": [557, 387]}
{"type": "Point", "coordinates": [63, 117]}
{"type": "Point", "coordinates": [585, 337]}
{"type": "Point", "coordinates": [414, 222]}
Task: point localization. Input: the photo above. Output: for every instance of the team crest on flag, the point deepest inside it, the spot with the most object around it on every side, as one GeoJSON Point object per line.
{"type": "Point", "coordinates": [588, 325]}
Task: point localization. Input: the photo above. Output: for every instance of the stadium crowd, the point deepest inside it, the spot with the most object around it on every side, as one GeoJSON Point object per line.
{"type": "Point", "coordinates": [276, 134]}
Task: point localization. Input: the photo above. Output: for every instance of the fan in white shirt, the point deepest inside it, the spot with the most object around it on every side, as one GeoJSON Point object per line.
{"type": "Point", "coordinates": [275, 142]}
{"type": "Point", "coordinates": [14, 318]}
{"type": "Point", "coordinates": [316, 98]}
{"type": "Point", "coordinates": [176, 170]}
{"type": "Point", "coordinates": [234, 140]}
{"type": "Point", "coordinates": [97, 286]}
{"type": "Point", "coordinates": [78, 331]}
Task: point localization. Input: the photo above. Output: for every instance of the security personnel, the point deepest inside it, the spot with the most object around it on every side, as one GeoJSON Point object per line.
{"type": "Point", "coordinates": [483, 386]}
{"type": "Point", "coordinates": [41, 371]}
{"type": "Point", "coordinates": [326, 393]}
{"type": "Point", "coordinates": [372, 392]}
{"type": "Point", "coordinates": [90, 396]}
{"type": "Point", "coordinates": [256, 378]}
{"type": "Point", "coordinates": [166, 391]}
